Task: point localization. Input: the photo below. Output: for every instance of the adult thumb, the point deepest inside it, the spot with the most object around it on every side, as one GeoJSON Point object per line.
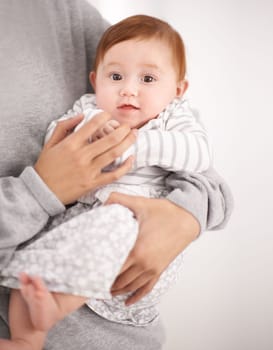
{"type": "Point", "coordinates": [130, 202]}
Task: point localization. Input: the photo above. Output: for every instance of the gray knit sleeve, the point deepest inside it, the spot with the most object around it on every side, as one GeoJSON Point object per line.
{"type": "Point", "coordinates": [26, 204]}
{"type": "Point", "coordinates": [206, 196]}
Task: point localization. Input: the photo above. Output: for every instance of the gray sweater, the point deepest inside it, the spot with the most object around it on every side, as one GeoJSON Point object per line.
{"type": "Point", "coordinates": [46, 52]}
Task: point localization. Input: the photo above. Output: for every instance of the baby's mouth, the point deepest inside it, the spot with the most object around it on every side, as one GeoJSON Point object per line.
{"type": "Point", "coordinates": [128, 107]}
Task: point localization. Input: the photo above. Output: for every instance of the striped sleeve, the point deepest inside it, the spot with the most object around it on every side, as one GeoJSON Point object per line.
{"type": "Point", "coordinates": [175, 141]}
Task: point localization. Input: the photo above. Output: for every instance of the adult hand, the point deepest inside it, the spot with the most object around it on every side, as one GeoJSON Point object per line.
{"type": "Point", "coordinates": [165, 230]}
{"type": "Point", "coordinates": [71, 166]}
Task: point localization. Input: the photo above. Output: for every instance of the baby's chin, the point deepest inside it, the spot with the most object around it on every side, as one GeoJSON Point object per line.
{"type": "Point", "coordinates": [132, 117]}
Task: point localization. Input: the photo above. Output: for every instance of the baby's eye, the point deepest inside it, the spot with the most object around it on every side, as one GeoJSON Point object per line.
{"type": "Point", "coordinates": [116, 76]}
{"type": "Point", "coordinates": [148, 79]}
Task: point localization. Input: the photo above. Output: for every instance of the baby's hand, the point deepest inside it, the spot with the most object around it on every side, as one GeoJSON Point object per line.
{"type": "Point", "coordinates": [108, 127]}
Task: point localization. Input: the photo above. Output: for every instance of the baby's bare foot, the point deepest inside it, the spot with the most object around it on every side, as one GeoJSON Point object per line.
{"type": "Point", "coordinates": [43, 308]}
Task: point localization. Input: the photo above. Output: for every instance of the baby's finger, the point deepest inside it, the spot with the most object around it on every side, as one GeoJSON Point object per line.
{"type": "Point", "coordinates": [110, 126]}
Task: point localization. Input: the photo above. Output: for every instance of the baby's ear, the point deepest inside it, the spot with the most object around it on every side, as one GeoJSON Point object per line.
{"type": "Point", "coordinates": [92, 79]}
{"type": "Point", "coordinates": [181, 88]}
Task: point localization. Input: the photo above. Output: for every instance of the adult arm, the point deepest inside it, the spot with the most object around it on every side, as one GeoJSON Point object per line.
{"type": "Point", "coordinates": [206, 196]}
{"type": "Point", "coordinates": [168, 226]}
{"type": "Point", "coordinates": [67, 168]}
{"type": "Point", "coordinates": [26, 204]}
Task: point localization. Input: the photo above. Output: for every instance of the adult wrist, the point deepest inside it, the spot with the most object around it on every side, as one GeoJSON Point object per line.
{"type": "Point", "coordinates": [40, 191]}
{"type": "Point", "coordinates": [191, 206]}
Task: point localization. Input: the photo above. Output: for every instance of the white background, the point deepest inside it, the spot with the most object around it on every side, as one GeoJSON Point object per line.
{"type": "Point", "coordinates": [224, 299]}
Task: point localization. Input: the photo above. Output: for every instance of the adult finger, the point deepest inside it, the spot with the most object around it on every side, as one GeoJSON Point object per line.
{"type": "Point", "coordinates": [63, 129]}
{"type": "Point", "coordinates": [122, 136]}
{"type": "Point", "coordinates": [126, 278]}
{"type": "Point", "coordinates": [109, 177]}
{"type": "Point", "coordinates": [111, 154]}
{"type": "Point", "coordinates": [131, 202]}
{"type": "Point", "coordinates": [141, 292]}
{"type": "Point", "coordinates": [134, 284]}
{"type": "Point", "coordinates": [82, 135]}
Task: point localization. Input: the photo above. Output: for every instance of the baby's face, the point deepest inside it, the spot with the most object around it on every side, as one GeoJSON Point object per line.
{"type": "Point", "coordinates": [136, 80]}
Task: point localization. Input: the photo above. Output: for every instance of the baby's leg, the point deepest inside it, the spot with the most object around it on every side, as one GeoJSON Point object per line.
{"type": "Point", "coordinates": [23, 335]}
{"type": "Point", "coordinates": [46, 308]}
{"type": "Point", "coordinates": [33, 311]}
